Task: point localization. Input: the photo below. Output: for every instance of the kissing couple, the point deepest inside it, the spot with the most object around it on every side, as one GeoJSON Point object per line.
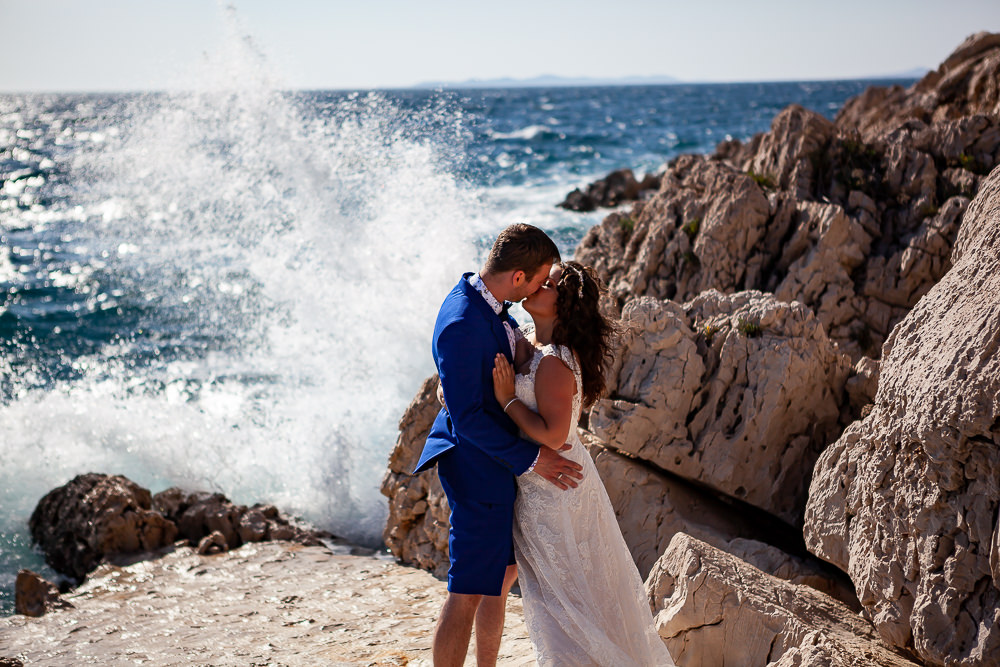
{"type": "Point", "coordinates": [526, 500]}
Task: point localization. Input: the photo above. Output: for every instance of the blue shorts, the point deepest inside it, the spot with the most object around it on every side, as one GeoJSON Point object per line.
{"type": "Point", "coordinates": [480, 545]}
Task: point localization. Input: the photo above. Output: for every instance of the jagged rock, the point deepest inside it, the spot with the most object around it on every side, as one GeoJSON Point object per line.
{"type": "Point", "coordinates": [906, 501]}
{"type": "Point", "coordinates": [207, 513]}
{"type": "Point", "coordinates": [94, 516]}
{"type": "Point", "coordinates": [252, 526]}
{"type": "Point", "coordinates": [857, 229]}
{"type": "Point", "coordinates": [706, 216]}
{"type": "Point", "coordinates": [213, 543]}
{"type": "Point", "coordinates": [10, 662]}
{"type": "Point", "coordinates": [416, 531]}
{"type": "Point", "coordinates": [964, 84]}
{"type": "Point", "coordinates": [652, 507]}
{"type": "Point", "coordinates": [617, 187]}
{"type": "Point", "coordinates": [785, 156]}
{"type": "Point", "coordinates": [737, 392]}
{"type": "Point", "coordinates": [711, 608]}
{"type": "Point", "coordinates": [35, 596]}
{"type": "Point", "coordinates": [200, 513]}
{"type": "Point", "coordinates": [580, 201]}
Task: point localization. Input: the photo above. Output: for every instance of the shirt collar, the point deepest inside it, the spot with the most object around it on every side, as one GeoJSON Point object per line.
{"type": "Point", "coordinates": [478, 284]}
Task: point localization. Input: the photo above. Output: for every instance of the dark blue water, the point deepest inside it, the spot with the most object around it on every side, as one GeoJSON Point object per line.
{"type": "Point", "coordinates": [234, 289]}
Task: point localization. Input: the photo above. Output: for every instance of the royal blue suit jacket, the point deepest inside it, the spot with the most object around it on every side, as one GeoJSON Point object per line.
{"type": "Point", "coordinates": [475, 444]}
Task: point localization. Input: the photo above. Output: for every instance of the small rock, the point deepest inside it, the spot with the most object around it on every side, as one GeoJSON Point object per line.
{"type": "Point", "coordinates": [34, 596]}
{"type": "Point", "coordinates": [252, 526]}
{"type": "Point", "coordinates": [577, 200]}
{"type": "Point", "coordinates": [213, 543]}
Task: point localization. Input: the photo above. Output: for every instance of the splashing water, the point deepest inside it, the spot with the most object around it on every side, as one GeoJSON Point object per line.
{"type": "Point", "coordinates": [279, 270]}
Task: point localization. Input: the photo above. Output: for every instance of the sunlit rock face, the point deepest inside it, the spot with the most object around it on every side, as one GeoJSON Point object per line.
{"type": "Point", "coordinates": [906, 501]}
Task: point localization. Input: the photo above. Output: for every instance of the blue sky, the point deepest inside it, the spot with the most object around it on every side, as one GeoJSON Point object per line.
{"type": "Point", "coordinates": [74, 45]}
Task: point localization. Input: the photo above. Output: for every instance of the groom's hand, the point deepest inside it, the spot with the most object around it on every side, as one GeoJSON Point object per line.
{"type": "Point", "coordinates": [560, 471]}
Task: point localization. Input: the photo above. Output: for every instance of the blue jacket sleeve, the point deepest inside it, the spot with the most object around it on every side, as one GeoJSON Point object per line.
{"type": "Point", "coordinates": [466, 374]}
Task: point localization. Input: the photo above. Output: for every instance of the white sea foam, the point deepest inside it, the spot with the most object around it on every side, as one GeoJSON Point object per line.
{"type": "Point", "coordinates": [526, 133]}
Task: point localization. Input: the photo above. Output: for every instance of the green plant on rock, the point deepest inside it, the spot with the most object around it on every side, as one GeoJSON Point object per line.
{"type": "Point", "coordinates": [969, 163]}
{"type": "Point", "coordinates": [691, 228]}
{"type": "Point", "coordinates": [748, 328]}
{"type": "Point", "coordinates": [763, 180]}
{"type": "Point", "coordinates": [710, 332]}
{"type": "Point", "coordinates": [858, 151]}
{"type": "Point", "coordinates": [856, 165]}
{"type": "Point", "coordinates": [689, 257]}
{"type": "Point", "coordinates": [626, 223]}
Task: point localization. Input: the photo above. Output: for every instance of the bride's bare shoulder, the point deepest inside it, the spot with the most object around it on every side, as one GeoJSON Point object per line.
{"type": "Point", "coordinates": [554, 375]}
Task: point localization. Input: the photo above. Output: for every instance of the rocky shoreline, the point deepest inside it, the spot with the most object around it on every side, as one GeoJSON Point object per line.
{"type": "Point", "coordinates": [181, 578]}
{"type": "Point", "coordinates": [801, 442]}
{"type": "Point", "coordinates": [804, 415]}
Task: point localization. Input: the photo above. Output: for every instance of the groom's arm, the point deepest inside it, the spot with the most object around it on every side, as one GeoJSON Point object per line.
{"type": "Point", "coordinates": [465, 363]}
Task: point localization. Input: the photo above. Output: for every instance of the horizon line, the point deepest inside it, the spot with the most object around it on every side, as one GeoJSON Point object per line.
{"type": "Point", "coordinates": [461, 85]}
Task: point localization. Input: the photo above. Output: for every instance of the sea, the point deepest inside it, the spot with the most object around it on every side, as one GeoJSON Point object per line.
{"type": "Point", "coordinates": [232, 286]}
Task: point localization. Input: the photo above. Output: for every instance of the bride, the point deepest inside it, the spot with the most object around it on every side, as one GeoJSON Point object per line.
{"type": "Point", "coordinates": [584, 602]}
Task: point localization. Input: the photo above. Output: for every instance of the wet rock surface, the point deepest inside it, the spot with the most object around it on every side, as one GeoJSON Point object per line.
{"type": "Point", "coordinates": [616, 188]}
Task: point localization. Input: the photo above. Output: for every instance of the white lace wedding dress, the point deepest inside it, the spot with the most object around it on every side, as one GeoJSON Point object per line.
{"type": "Point", "coordinates": [584, 602]}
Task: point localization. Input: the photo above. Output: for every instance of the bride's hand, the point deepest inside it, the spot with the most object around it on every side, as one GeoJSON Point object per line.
{"type": "Point", "coordinates": [503, 380]}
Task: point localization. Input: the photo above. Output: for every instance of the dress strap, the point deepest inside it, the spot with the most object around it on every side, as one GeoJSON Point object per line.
{"type": "Point", "coordinates": [564, 353]}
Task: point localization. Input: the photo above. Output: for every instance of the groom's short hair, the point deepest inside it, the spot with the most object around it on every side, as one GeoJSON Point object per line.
{"type": "Point", "coordinates": [521, 247]}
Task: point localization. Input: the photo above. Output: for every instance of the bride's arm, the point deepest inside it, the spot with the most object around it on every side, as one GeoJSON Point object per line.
{"type": "Point", "coordinates": [554, 388]}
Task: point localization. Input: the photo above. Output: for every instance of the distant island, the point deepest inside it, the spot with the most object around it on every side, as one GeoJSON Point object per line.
{"type": "Point", "coordinates": [552, 81]}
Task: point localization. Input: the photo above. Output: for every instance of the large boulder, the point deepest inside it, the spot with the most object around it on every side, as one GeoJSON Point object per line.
{"type": "Point", "coordinates": [94, 516]}
{"type": "Point", "coordinates": [906, 501]}
{"type": "Point", "coordinates": [652, 507]}
{"type": "Point", "coordinates": [416, 530]}
{"type": "Point", "coordinates": [737, 392]}
{"type": "Point", "coordinates": [711, 608]}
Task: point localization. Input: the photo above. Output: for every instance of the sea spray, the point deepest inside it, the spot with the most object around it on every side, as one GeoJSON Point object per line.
{"type": "Point", "coordinates": [275, 275]}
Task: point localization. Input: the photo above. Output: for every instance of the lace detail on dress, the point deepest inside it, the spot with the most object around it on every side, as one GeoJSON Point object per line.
{"type": "Point", "coordinates": [584, 601]}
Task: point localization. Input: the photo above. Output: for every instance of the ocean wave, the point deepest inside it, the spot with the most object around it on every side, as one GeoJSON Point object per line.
{"type": "Point", "coordinates": [530, 133]}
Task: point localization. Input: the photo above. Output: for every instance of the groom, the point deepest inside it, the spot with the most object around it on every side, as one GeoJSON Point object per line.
{"type": "Point", "coordinates": [477, 447]}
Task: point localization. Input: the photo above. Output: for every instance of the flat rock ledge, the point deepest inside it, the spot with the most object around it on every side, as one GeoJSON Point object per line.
{"type": "Point", "coordinates": [266, 603]}
{"type": "Point", "coordinates": [712, 608]}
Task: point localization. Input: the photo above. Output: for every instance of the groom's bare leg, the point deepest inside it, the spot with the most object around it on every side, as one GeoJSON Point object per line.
{"type": "Point", "coordinates": [454, 628]}
{"type": "Point", "coordinates": [489, 622]}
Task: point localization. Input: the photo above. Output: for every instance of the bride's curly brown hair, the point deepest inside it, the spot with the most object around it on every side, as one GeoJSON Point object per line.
{"type": "Point", "coordinates": [581, 326]}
